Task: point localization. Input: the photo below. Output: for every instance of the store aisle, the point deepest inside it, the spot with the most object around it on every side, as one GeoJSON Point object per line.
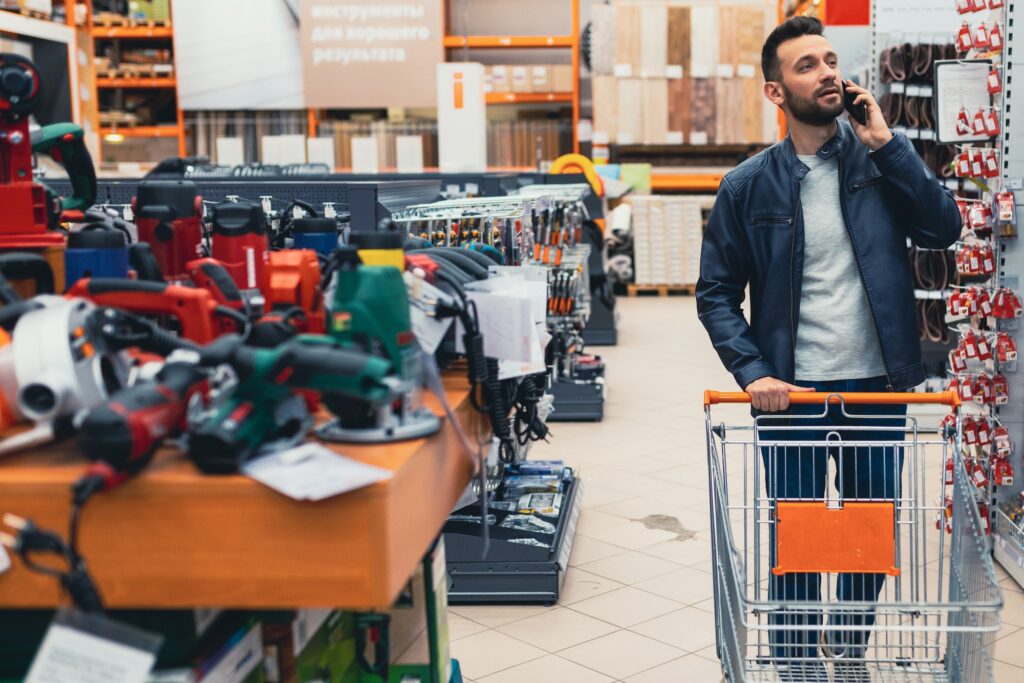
{"type": "Point", "coordinates": [637, 602]}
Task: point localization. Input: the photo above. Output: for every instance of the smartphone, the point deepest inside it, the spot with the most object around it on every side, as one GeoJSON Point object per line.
{"type": "Point", "coordinates": [858, 112]}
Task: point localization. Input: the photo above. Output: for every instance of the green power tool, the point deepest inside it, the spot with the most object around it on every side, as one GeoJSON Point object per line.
{"type": "Point", "coordinates": [64, 143]}
{"type": "Point", "coordinates": [370, 312]}
{"type": "Point", "coordinates": [267, 406]}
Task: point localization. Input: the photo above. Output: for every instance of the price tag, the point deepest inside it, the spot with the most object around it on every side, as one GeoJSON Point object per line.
{"type": "Point", "coordinates": [746, 71]}
{"type": "Point", "coordinates": [674, 71]}
{"type": "Point", "coordinates": [698, 137]}
{"type": "Point", "coordinates": [625, 138]}
{"type": "Point", "coordinates": [311, 471]}
{"type": "Point", "coordinates": [700, 71]}
{"type": "Point", "coordinates": [897, 88]}
{"type": "Point", "coordinates": [623, 70]}
{"type": "Point", "coordinates": [85, 648]}
{"type": "Point", "coordinates": [599, 137]}
{"type": "Point", "coordinates": [726, 71]}
{"type": "Point", "coordinates": [674, 138]}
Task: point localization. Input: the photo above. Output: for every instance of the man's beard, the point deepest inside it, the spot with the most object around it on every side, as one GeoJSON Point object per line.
{"type": "Point", "coordinates": [809, 111]}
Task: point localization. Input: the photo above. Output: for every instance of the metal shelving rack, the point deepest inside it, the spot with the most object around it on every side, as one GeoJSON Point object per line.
{"type": "Point", "coordinates": [1009, 541]}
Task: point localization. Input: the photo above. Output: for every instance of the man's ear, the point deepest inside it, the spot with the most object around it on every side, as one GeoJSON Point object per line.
{"type": "Point", "coordinates": [773, 91]}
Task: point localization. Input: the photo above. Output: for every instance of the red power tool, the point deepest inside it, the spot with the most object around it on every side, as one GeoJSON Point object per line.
{"type": "Point", "coordinates": [168, 215]}
{"type": "Point", "coordinates": [294, 281]}
{"type": "Point", "coordinates": [201, 318]}
{"type": "Point", "coordinates": [121, 435]}
{"type": "Point", "coordinates": [24, 220]}
{"type": "Point", "coordinates": [241, 245]}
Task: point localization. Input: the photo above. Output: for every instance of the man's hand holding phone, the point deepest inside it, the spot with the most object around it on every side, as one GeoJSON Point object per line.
{"type": "Point", "coordinates": [873, 131]}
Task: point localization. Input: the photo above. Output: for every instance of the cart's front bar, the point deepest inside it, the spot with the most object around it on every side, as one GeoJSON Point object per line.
{"type": "Point", "coordinates": [950, 398]}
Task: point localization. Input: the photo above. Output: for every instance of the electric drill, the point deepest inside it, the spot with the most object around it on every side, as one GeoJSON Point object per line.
{"type": "Point", "coordinates": [257, 411]}
{"type": "Point", "coordinates": [241, 245]}
{"type": "Point", "coordinates": [168, 215]}
{"type": "Point", "coordinates": [95, 250]}
{"type": "Point", "coordinates": [121, 435]}
{"type": "Point", "coordinates": [65, 144]}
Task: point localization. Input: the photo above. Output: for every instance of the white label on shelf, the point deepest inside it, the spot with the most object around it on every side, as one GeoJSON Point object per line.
{"type": "Point", "coordinates": [927, 134]}
{"type": "Point", "coordinates": [698, 137]}
{"type": "Point", "coordinates": [472, 188]}
{"type": "Point", "coordinates": [899, 129]}
{"type": "Point", "coordinates": [745, 70]}
{"type": "Point", "coordinates": [674, 71]}
{"type": "Point", "coordinates": [726, 71]}
{"type": "Point", "coordinates": [674, 137]}
{"type": "Point", "coordinates": [623, 70]}
{"type": "Point", "coordinates": [913, 133]}
{"type": "Point", "coordinates": [69, 655]}
{"type": "Point", "coordinates": [897, 88]}
{"type": "Point", "coordinates": [700, 71]}
{"type": "Point", "coordinates": [600, 137]}
{"type": "Point", "coordinates": [953, 184]}
{"type": "Point", "coordinates": [625, 138]}
{"type": "Point", "coordinates": [913, 91]}
{"type": "Point", "coordinates": [1014, 183]}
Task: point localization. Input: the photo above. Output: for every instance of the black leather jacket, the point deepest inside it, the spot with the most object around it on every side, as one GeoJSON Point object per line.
{"type": "Point", "coordinates": [755, 237]}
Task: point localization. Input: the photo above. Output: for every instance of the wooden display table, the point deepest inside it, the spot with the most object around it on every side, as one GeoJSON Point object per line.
{"type": "Point", "coordinates": [175, 538]}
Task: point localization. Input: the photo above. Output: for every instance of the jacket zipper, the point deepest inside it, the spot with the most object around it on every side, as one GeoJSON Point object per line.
{"type": "Point", "coordinates": [864, 183]}
{"type": "Point", "coordinates": [792, 279]}
{"type": "Point", "coordinates": [860, 270]}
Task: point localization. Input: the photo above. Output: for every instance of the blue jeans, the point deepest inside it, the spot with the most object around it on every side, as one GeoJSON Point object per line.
{"type": "Point", "coordinates": [799, 472]}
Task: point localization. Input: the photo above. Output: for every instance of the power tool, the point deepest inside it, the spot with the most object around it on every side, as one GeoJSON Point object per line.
{"type": "Point", "coordinates": [199, 317]}
{"type": "Point", "coordinates": [295, 282]}
{"type": "Point", "coordinates": [318, 234]}
{"type": "Point", "coordinates": [121, 434]}
{"type": "Point", "coordinates": [168, 214]}
{"type": "Point", "coordinates": [65, 144]}
{"type": "Point", "coordinates": [370, 311]}
{"type": "Point", "coordinates": [241, 245]}
{"type": "Point", "coordinates": [26, 218]}
{"type": "Point", "coordinates": [56, 365]}
{"type": "Point", "coordinates": [265, 406]}
{"type": "Point", "coordinates": [97, 249]}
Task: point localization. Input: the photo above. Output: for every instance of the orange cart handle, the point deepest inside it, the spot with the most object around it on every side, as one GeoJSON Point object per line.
{"type": "Point", "coordinates": [950, 398]}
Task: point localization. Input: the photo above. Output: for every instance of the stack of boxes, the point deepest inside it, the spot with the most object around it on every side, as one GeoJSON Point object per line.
{"type": "Point", "coordinates": [667, 234]}
{"type": "Point", "coordinates": [528, 78]}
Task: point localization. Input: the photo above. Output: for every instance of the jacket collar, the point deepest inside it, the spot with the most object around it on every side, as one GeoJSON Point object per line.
{"type": "Point", "coordinates": [836, 144]}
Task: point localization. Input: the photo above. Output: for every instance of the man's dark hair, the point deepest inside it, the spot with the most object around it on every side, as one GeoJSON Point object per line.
{"type": "Point", "coordinates": [791, 28]}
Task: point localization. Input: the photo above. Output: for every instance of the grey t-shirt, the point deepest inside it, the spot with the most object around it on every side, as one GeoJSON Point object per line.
{"type": "Point", "coordinates": [836, 336]}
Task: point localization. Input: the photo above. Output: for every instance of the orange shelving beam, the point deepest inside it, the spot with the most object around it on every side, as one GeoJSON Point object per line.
{"type": "Point", "coordinates": [527, 98]}
{"type": "Point", "coordinates": [170, 131]}
{"type": "Point", "coordinates": [133, 32]}
{"type": "Point", "coordinates": [509, 41]}
{"type": "Point", "coordinates": [692, 182]}
{"type": "Point", "coordinates": [136, 83]}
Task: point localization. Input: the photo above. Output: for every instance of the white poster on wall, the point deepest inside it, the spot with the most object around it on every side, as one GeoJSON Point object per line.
{"type": "Point", "coordinates": [461, 118]}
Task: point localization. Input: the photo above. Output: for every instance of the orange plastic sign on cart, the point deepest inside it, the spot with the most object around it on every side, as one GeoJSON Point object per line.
{"type": "Point", "coordinates": [854, 538]}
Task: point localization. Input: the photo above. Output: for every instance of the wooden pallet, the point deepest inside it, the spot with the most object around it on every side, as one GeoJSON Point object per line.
{"type": "Point", "coordinates": [661, 290]}
{"type": "Point", "coordinates": [134, 71]}
{"type": "Point", "coordinates": [31, 13]}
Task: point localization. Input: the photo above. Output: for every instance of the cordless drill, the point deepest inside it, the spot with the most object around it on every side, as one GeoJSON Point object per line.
{"type": "Point", "coordinates": [264, 406]}
{"type": "Point", "coordinates": [241, 245]}
{"type": "Point", "coordinates": [168, 214]}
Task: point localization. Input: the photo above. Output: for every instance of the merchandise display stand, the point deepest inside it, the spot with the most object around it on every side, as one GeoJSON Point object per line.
{"type": "Point", "coordinates": [175, 538]}
{"type": "Point", "coordinates": [1008, 536]}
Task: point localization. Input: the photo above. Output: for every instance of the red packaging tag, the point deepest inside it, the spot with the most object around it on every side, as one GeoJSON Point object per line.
{"type": "Point", "coordinates": [977, 216]}
{"type": "Point", "coordinates": [991, 164]}
{"type": "Point", "coordinates": [982, 389]}
{"type": "Point", "coordinates": [1002, 472]}
{"type": "Point", "coordinates": [977, 167]}
{"type": "Point", "coordinates": [967, 392]}
{"type": "Point", "coordinates": [984, 302]}
{"type": "Point", "coordinates": [1000, 390]}
{"type": "Point", "coordinates": [1012, 304]}
{"type": "Point", "coordinates": [981, 37]}
{"type": "Point", "coordinates": [1001, 437]}
{"type": "Point", "coordinates": [963, 123]}
{"type": "Point", "coordinates": [995, 83]}
{"type": "Point", "coordinates": [995, 38]}
{"type": "Point", "coordinates": [992, 4]}
{"type": "Point", "coordinates": [978, 122]}
{"type": "Point", "coordinates": [1005, 209]}
{"type": "Point", "coordinates": [992, 128]}
{"type": "Point", "coordinates": [963, 162]}
{"type": "Point", "coordinates": [973, 260]}
{"type": "Point", "coordinates": [984, 348]}
{"type": "Point", "coordinates": [953, 302]}
{"type": "Point", "coordinates": [1006, 348]}
{"type": "Point", "coordinates": [984, 432]}
{"type": "Point", "coordinates": [963, 38]}
{"type": "Point", "coordinates": [970, 431]}
{"type": "Point", "coordinates": [964, 6]}
{"type": "Point", "coordinates": [983, 510]}
{"type": "Point", "coordinates": [978, 475]}
{"type": "Point", "coordinates": [970, 344]}
{"type": "Point", "coordinates": [988, 261]}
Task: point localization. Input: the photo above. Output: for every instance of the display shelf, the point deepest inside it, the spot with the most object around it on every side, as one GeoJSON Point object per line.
{"type": "Point", "coordinates": [30, 27]}
{"type": "Point", "coordinates": [453, 42]}
{"type": "Point", "coordinates": [175, 538]}
{"type": "Point", "coordinates": [133, 32]}
{"type": "Point", "coordinates": [527, 98]}
{"type": "Point", "coordinates": [1008, 546]}
{"type": "Point", "coordinates": [142, 131]}
{"type": "Point", "coordinates": [171, 83]}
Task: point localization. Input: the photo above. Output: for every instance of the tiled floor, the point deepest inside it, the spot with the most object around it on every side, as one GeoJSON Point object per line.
{"type": "Point", "coordinates": [637, 602]}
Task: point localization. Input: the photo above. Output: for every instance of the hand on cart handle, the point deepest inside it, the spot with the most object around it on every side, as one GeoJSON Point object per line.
{"type": "Point", "coordinates": [772, 395]}
{"type": "Point", "coordinates": [809, 396]}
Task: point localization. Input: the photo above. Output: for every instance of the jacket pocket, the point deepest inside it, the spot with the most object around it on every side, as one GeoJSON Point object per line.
{"type": "Point", "coordinates": [860, 185]}
{"type": "Point", "coordinates": [771, 220]}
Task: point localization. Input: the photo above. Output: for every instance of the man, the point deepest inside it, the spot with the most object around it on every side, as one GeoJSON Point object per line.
{"type": "Point", "coordinates": [816, 226]}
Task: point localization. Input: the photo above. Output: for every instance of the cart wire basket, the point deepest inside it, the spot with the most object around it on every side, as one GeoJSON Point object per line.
{"type": "Point", "coordinates": [848, 545]}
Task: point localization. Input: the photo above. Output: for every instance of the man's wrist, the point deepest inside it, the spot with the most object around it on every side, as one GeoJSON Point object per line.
{"type": "Point", "coordinates": [877, 142]}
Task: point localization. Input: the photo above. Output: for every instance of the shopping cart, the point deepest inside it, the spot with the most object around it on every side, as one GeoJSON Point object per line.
{"type": "Point", "coordinates": [929, 564]}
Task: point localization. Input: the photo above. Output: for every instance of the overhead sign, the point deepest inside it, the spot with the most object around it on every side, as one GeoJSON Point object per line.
{"type": "Point", "coordinates": [371, 53]}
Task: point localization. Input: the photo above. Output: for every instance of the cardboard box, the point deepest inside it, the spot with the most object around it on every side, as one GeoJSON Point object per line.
{"type": "Point", "coordinates": [561, 77]}
{"type": "Point", "coordinates": [540, 80]}
{"type": "Point", "coordinates": [500, 78]}
{"type": "Point", "coordinates": [519, 79]}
